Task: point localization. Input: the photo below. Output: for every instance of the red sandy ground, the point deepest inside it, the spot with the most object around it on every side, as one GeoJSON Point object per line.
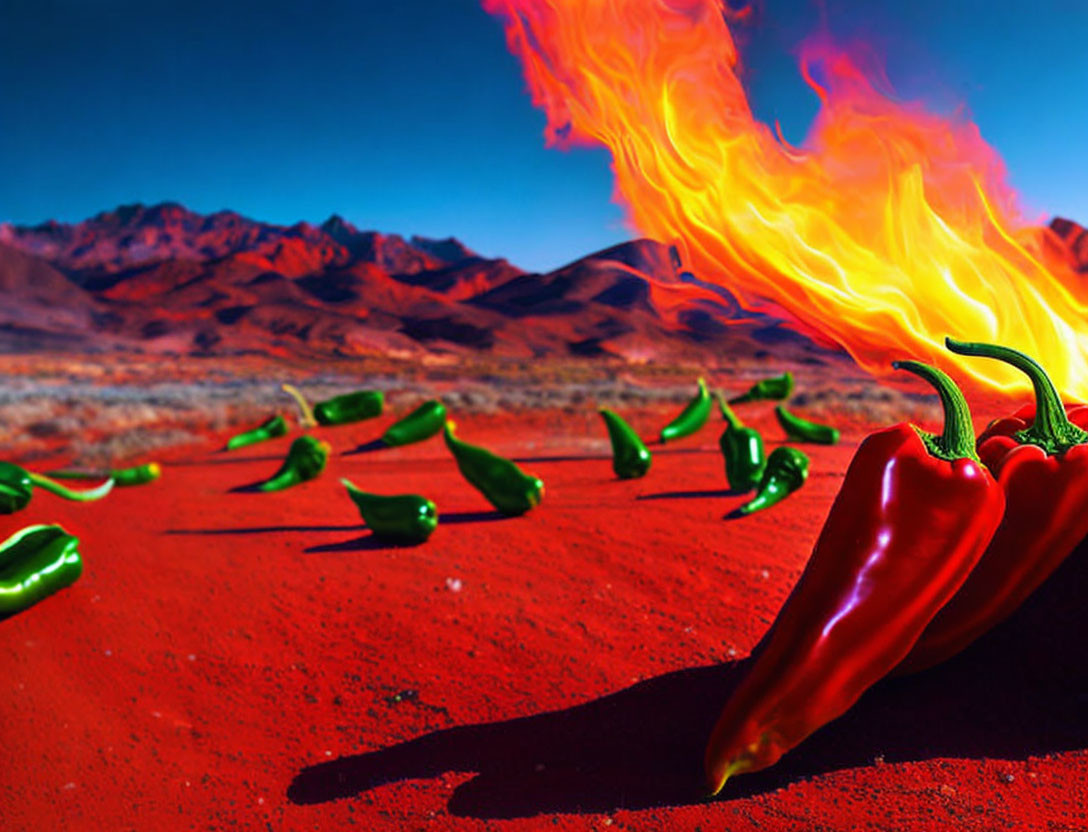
{"type": "Point", "coordinates": [255, 661]}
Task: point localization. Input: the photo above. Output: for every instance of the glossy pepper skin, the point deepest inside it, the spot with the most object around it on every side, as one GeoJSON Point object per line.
{"type": "Point", "coordinates": [270, 428]}
{"type": "Point", "coordinates": [402, 518]}
{"type": "Point", "coordinates": [351, 407]}
{"type": "Point", "coordinates": [786, 471]}
{"type": "Point", "coordinates": [914, 515]}
{"type": "Point", "coordinates": [1040, 458]}
{"type": "Point", "coordinates": [502, 482]}
{"type": "Point", "coordinates": [774, 388]}
{"type": "Point", "coordinates": [17, 487]}
{"type": "Point", "coordinates": [122, 477]}
{"type": "Point", "coordinates": [339, 410]}
{"type": "Point", "coordinates": [691, 418]}
{"type": "Point", "coordinates": [742, 449]}
{"type": "Point", "coordinates": [631, 458]}
{"type": "Point", "coordinates": [137, 474]}
{"type": "Point", "coordinates": [802, 430]}
{"type": "Point", "coordinates": [305, 460]}
{"type": "Point", "coordinates": [425, 421]}
{"type": "Point", "coordinates": [35, 562]}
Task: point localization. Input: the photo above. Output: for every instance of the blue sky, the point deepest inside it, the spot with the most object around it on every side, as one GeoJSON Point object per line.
{"type": "Point", "coordinates": [412, 117]}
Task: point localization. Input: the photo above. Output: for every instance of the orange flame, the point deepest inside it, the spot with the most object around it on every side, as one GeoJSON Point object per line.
{"type": "Point", "coordinates": [891, 228]}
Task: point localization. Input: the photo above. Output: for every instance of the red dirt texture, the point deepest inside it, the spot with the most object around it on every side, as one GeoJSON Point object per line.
{"type": "Point", "coordinates": [235, 660]}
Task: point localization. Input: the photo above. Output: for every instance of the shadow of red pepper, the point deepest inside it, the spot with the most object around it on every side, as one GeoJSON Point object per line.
{"type": "Point", "coordinates": [1020, 691]}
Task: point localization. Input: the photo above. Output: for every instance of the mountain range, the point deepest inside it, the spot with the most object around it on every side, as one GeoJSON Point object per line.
{"type": "Point", "coordinates": [163, 279]}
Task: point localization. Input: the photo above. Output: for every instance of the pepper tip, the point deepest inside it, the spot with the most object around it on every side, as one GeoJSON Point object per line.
{"type": "Point", "coordinates": [717, 784]}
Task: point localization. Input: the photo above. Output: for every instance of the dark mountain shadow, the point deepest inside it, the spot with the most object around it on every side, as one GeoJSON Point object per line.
{"type": "Point", "coordinates": [447, 328]}
{"type": "Point", "coordinates": [1020, 691]}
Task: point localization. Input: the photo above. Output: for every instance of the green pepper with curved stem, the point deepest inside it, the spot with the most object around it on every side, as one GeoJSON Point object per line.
{"type": "Point", "coordinates": [402, 518]}
{"type": "Point", "coordinates": [339, 410]}
{"type": "Point", "coordinates": [802, 430]}
{"type": "Point", "coordinates": [742, 449]}
{"type": "Point", "coordinates": [502, 482]}
{"type": "Point", "coordinates": [17, 486]}
{"type": "Point", "coordinates": [136, 475]}
{"type": "Point", "coordinates": [425, 421]}
{"type": "Point", "coordinates": [775, 388]}
{"type": "Point", "coordinates": [35, 562]}
{"type": "Point", "coordinates": [270, 428]}
{"type": "Point", "coordinates": [786, 471]}
{"type": "Point", "coordinates": [630, 457]}
{"type": "Point", "coordinates": [691, 418]}
{"type": "Point", "coordinates": [306, 459]}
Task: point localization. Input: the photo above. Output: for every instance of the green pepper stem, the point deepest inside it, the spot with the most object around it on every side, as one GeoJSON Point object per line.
{"type": "Point", "coordinates": [54, 487]}
{"type": "Point", "coordinates": [727, 412]}
{"type": "Point", "coordinates": [1051, 429]}
{"type": "Point", "coordinates": [308, 420]}
{"type": "Point", "coordinates": [957, 439]}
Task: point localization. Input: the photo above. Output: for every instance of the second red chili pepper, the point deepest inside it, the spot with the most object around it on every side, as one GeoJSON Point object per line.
{"type": "Point", "coordinates": [914, 515]}
{"type": "Point", "coordinates": [1040, 458]}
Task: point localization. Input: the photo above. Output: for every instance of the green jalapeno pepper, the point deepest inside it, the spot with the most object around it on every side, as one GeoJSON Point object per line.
{"type": "Point", "coordinates": [306, 459]}
{"type": "Point", "coordinates": [270, 428]}
{"type": "Point", "coordinates": [742, 449]}
{"type": "Point", "coordinates": [691, 418]}
{"type": "Point", "coordinates": [425, 421]}
{"type": "Point", "coordinates": [502, 482]}
{"type": "Point", "coordinates": [136, 475]}
{"type": "Point", "coordinates": [402, 518]}
{"type": "Point", "coordinates": [786, 471]}
{"type": "Point", "coordinates": [17, 486]}
{"type": "Point", "coordinates": [630, 457]}
{"type": "Point", "coordinates": [775, 388]}
{"type": "Point", "coordinates": [339, 410]}
{"type": "Point", "coordinates": [803, 430]}
{"type": "Point", "coordinates": [35, 562]}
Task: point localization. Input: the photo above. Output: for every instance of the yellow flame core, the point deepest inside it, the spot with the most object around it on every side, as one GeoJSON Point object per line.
{"type": "Point", "coordinates": [890, 229]}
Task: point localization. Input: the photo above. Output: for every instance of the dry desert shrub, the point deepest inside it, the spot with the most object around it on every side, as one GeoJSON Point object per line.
{"type": "Point", "coordinates": [98, 412]}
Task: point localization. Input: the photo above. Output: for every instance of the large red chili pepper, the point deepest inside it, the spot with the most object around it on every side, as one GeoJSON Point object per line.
{"type": "Point", "coordinates": [914, 515]}
{"type": "Point", "coordinates": [1040, 458]}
